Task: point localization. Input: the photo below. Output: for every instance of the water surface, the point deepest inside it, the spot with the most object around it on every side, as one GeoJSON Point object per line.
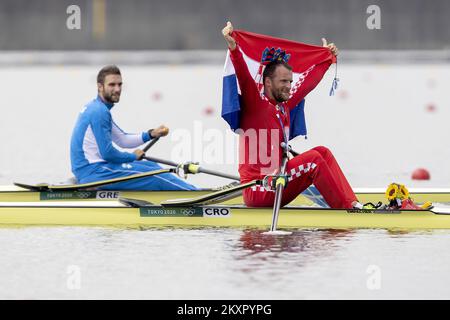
{"type": "Point", "coordinates": [96, 263]}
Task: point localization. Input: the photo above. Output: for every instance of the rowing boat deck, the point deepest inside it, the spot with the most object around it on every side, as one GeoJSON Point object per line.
{"type": "Point", "coordinates": [16, 194]}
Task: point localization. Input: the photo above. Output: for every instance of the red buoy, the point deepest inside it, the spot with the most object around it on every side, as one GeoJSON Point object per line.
{"type": "Point", "coordinates": [421, 174]}
{"type": "Point", "coordinates": [156, 96]}
{"type": "Point", "coordinates": [431, 107]}
{"type": "Point", "coordinates": [208, 111]}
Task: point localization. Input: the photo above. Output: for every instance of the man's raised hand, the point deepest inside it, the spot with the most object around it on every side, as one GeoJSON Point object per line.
{"type": "Point", "coordinates": [227, 32]}
{"type": "Point", "coordinates": [331, 46]}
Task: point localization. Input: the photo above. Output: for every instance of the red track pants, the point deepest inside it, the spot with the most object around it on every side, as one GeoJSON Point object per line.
{"type": "Point", "coordinates": [316, 166]}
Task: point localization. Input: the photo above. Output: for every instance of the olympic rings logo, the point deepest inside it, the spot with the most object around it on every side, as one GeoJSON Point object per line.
{"type": "Point", "coordinates": [188, 212]}
{"type": "Point", "coordinates": [83, 195]}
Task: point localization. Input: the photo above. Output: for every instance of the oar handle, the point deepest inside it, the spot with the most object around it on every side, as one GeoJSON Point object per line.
{"type": "Point", "coordinates": [150, 144]}
{"type": "Point", "coordinates": [199, 169]}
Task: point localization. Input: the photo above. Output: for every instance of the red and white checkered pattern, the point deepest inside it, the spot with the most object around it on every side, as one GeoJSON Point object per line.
{"type": "Point", "coordinates": [301, 169]}
{"type": "Point", "coordinates": [300, 81]}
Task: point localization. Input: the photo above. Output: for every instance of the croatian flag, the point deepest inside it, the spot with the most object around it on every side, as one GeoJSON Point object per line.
{"type": "Point", "coordinates": [252, 45]}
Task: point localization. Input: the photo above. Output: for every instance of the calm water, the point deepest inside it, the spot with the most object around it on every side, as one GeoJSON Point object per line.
{"type": "Point", "coordinates": [75, 263]}
{"type": "Point", "coordinates": [371, 125]}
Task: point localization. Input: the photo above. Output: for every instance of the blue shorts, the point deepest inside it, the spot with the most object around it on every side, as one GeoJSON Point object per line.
{"type": "Point", "coordinates": [105, 171]}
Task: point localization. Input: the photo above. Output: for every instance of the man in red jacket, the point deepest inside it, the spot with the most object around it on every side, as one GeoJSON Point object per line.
{"type": "Point", "coordinates": [263, 114]}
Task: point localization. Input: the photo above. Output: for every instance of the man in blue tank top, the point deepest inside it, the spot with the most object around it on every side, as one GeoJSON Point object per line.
{"type": "Point", "coordinates": [93, 155]}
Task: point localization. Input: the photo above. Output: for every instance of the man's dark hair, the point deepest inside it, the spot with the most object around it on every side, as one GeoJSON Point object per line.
{"type": "Point", "coordinates": [112, 69]}
{"type": "Point", "coordinates": [269, 70]}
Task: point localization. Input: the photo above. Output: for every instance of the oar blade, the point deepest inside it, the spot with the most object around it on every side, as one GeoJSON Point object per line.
{"type": "Point", "coordinates": [95, 184]}
{"type": "Point", "coordinates": [277, 233]}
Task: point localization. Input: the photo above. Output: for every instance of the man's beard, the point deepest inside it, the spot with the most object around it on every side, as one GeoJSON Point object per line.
{"type": "Point", "coordinates": [279, 97]}
{"type": "Point", "coordinates": [109, 98]}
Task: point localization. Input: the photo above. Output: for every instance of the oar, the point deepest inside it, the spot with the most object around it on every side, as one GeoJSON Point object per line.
{"type": "Point", "coordinates": [280, 183]}
{"type": "Point", "coordinates": [192, 168]}
{"type": "Point", "coordinates": [82, 186]}
{"type": "Point", "coordinates": [150, 144]}
{"type": "Point", "coordinates": [213, 197]}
